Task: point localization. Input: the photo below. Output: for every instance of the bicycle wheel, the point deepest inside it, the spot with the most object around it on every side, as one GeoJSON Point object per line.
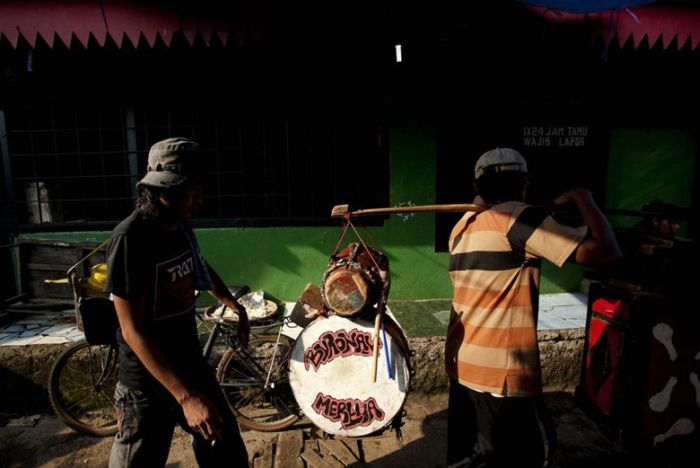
{"type": "Point", "coordinates": [81, 388]}
{"type": "Point", "coordinates": [242, 375]}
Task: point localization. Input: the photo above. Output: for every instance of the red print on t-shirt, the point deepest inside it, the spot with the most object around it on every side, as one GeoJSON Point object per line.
{"type": "Point", "coordinates": [174, 293]}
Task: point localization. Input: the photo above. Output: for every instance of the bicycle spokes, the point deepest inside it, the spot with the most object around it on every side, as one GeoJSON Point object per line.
{"type": "Point", "coordinates": [256, 384]}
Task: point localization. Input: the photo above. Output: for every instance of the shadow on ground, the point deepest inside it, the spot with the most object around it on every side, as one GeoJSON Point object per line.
{"type": "Point", "coordinates": [48, 440]}
{"type": "Point", "coordinates": [580, 443]}
{"type": "Point", "coordinates": [20, 396]}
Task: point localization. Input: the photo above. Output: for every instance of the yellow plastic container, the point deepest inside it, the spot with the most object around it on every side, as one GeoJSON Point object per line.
{"type": "Point", "coordinates": [95, 284]}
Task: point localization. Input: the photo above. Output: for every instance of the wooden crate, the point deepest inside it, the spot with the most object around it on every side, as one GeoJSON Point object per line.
{"type": "Point", "coordinates": [40, 260]}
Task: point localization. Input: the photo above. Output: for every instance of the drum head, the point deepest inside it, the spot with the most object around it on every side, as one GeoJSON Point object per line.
{"type": "Point", "coordinates": [331, 376]}
{"type": "Point", "coordinates": [345, 291]}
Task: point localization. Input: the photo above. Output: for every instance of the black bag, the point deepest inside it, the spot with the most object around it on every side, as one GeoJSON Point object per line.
{"type": "Point", "coordinates": [98, 320]}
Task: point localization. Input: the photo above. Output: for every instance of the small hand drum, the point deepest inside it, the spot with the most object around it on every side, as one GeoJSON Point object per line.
{"type": "Point", "coordinates": [352, 282]}
{"type": "Point", "coordinates": [330, 373]}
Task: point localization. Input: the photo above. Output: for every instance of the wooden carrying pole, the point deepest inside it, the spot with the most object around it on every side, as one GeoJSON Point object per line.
{"type": "Point", "coordinates": [339, 211]}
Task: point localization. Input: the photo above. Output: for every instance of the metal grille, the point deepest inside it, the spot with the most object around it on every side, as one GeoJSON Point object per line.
{"type": "Point", "coordinates": [267, 166]}
{"type": "Point", "coordinates": [68, 166]}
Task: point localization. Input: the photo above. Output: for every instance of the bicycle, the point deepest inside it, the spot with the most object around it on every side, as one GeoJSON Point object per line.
{"type": "Point", "coordinates": [82, 380]}
{"type": "Point", "coordinates": [81, 388]}
{"type": "Point", "coordinates": [254, 379]}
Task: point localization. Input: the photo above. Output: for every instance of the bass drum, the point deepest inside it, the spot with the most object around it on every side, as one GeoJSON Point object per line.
{"type": "Point", "coordinates": [330, 372]}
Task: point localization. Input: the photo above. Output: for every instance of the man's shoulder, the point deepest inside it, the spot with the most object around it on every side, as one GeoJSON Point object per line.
{"type": "Point", "coordinates": [132, 224]}
{"type": "Point", "coordinates": [503, 211]}
{"type": "Point", "coordinates": [510, 207]}
{"type": "Point", "coordinates": [521, 212]}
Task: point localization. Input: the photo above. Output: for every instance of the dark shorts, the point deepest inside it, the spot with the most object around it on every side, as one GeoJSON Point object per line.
{"type": "Point", "coordinates": [488, 431]}
{"type": "Point", "coordinates": [147, 421]}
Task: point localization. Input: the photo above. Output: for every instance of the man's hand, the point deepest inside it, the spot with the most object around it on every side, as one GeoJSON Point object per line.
{"type": "Point", "coordinates": [600, 246]}
{"type": "Point", "coordinates": [243, 322]}
{"type": "Point", "coordinates": [202, 416]}
{"type": "Point", "coordinates": [222, 293]}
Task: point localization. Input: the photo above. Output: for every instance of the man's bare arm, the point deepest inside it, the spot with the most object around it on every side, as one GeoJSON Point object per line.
{"type": "Point", "coordinates": [600, 246]}
{"type": "Point", "coordinates": [222, 293]}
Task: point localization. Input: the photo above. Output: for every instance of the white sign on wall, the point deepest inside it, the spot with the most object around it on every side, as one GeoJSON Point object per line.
{"type": "Point", "coordinates": [560, 136]}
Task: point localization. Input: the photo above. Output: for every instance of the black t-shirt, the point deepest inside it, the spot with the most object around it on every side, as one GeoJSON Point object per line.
{"type": "Point", "coordinates": [148, 260]}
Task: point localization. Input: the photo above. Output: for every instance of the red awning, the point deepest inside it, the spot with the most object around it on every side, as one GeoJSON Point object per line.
{"type": "Point", "coordinates": [121, 20]}
{"type": "Point", "coordinates": [651, 21]}
{"type": "Point", "coordinates": [130, 20]}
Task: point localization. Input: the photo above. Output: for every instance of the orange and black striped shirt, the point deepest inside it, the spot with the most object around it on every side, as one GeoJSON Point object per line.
{"type": "Point", "coordinates": [495, 257]}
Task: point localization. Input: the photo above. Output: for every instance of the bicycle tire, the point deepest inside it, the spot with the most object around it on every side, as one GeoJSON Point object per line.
{"type": "Point", "coordinates": [79, 392]}
{"type": "Point", "coordinates": [243, 383]}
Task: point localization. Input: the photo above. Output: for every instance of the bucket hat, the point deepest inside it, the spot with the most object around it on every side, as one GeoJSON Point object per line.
{"type": "Point", "coordinates": [171, 162]}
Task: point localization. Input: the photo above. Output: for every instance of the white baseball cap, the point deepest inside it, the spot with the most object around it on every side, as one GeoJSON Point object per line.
{"type": "Point", "coordinates": [498, 160]}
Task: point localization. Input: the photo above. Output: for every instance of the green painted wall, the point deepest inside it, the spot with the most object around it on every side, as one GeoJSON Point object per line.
{"type": "Point", "coordinates": [647, 165]}
{"type": "Point", "coordinates": [282, 260]}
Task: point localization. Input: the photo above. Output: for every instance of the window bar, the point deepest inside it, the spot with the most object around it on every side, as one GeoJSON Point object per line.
{"type": "Point", "coordinates": [132, 151]}
{"type": "Point", "coordinates": [241, 172]}
{"type": "Point", "coordinates": [35, 175]}
{"type": "Point", "coordinates": [266, 194]}
{"type": "Point", "coordinates": [334, 158]}
{"type": "Point", "coordinates": [80, 164]}
{"type": "Point", "coordinates": [219, 198]}
{"type": "Point", "coordinates": [7, 169]}
{"type": "Point", "coordinates": [102, 162]}
{"type": "Point", "coordinates": [55, 190]}
{"type": "Point", "coordinates": [310, 161]}
{"type": "Point", "coordinates": [287, 151]}
{"type": "Point", "coordinates": [146, 129]}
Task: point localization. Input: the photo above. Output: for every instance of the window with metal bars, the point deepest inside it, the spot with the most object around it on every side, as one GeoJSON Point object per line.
{"type": "Point", "coordinates": [77, 168]}
{"type": "Point", "coordinates": [68, 166]}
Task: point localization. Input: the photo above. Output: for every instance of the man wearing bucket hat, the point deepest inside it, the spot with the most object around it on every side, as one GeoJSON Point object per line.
{"type": "Point", "coordinates": [496, 417]}
{"type": "Point", "coordinates": [154, 268]}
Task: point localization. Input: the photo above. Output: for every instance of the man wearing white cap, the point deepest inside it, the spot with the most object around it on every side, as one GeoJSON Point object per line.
{"type": "Point", "coordinates": [154, 267]}
{"type": "Point", "coordinates": [496, 417]}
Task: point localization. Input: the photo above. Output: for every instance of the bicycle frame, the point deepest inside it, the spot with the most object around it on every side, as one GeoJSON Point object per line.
{"type": "Point", "coordinates": [213, 335]}
{"type": "Point", "coordinates": [216, 332]}
{"type": "Point", "coordinates": [107, 366]}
